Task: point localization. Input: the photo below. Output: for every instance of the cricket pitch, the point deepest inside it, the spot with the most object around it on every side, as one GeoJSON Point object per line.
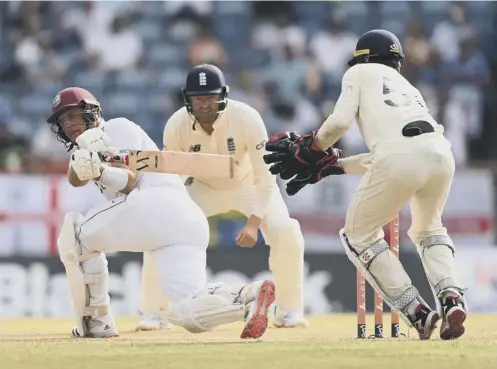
{"type": "Point", "coordinates": [329, 342]}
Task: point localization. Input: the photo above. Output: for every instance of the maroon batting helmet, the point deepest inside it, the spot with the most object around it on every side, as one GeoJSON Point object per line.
{"type": "Point", "coordinates": [69, 98]}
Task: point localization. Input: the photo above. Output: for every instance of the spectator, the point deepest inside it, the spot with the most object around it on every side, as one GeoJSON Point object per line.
{"type": "Point", "coordinates": [29, 53]}
{"type": "Point", "coordinates": [418, 51]}
{"type": "Point", "coordinates": [13, 148]}
{"type": "Point", "coordinates": [188, 9]}
{"type": "Point", "coordinates": [49, 44]}
{"type": "Point", "coordinates": [448, 34]}
{"type": "Point", "coordinates": [289, 73]}
{"type": "Point", "coordinates": [466, 79]}
{"type": "Point", "coordinates": [206, 49]}
{"type": "Point", "coordinates": [288, 113]}
{"type": "Point", "coordinates": [121, 49]}
{"type": "Point", "coordinates": [275, 35]}
{"type": "Point", "coordinates": [47, 155]}
{"type": "Point", "coordinates": [333, 46]}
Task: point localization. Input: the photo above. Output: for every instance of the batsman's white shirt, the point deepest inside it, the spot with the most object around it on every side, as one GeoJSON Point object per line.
{"type": "Point", "coordinates": [238, 131]}
{"type": "Point", "coordinates": [157, 216]}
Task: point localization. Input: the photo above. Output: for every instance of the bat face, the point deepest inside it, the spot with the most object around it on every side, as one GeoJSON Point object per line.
{"type": "Point", "coordinates": [144, 159]}
{"type": "Point", "coordinates": [184, 163]}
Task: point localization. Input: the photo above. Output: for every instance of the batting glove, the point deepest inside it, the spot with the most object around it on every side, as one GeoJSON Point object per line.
{"type": "Point", "coordinates": [86, 164]}
{"type": "Point", "coordinates": [94, 139]}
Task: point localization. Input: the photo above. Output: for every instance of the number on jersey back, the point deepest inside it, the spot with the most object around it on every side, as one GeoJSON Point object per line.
{"type": "Point", "coordinates": [400, 97]}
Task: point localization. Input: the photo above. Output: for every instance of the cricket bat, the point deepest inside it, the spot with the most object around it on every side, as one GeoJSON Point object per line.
{"type": "Point", "coordinates": [193, 164]}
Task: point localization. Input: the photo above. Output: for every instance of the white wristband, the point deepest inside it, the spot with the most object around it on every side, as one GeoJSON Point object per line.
{"type": "Point", "coordinates": [114, 179]}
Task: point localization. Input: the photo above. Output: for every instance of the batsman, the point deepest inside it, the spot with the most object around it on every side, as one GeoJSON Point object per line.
{"type": "Point", "coordinates": [409, 160]}
{"type": "Point", "coordinates": [143, 212]}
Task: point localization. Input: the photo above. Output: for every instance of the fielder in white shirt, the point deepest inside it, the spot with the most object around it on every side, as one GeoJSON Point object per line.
{"type": "Point", "coordinates": [212, 123]}
{"type": "Point", "coordinates": [143, 212]}
{"type": "Point", "coordinates": [410, 160]}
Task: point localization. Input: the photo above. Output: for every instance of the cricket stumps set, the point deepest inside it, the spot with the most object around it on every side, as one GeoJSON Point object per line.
{"type": "Point", "coordinates": [378, 300]}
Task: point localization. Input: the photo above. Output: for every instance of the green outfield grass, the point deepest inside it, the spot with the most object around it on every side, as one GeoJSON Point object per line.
{"type": "Point", "coordinates": [329, 342]}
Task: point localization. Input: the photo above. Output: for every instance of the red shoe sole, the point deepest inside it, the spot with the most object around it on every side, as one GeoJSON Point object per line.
{"type": "Point", "coordinates": [454, 325]}
{"type": "Point", "coordinates": [258, 323]}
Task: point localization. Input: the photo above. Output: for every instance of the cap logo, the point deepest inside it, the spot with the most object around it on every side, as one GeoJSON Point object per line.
{"type": "Point", "coordinates": [56, 101]}
{"type": "Point", "coordinates": [202, 79]}
{"type": "Point", "coordinates": [361, 52]}
{"type": "Point", "coordinates": [394, 48]}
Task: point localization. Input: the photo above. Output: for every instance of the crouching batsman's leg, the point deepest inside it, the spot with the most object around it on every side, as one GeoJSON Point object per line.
{"type": "Point", "coordinates": [88, 280]}
{"type": "Point", "coordinates": [221, 303]}
{"type": "Point", "coordinates": [195, 306]}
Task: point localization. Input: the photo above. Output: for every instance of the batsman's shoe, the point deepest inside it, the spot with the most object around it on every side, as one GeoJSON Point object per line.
{"type": "Point", "coordinates": [454, 316]}
{"type": "Point", "coordinates": [104, 327]}
{"type": "Point", "coordinates": [290, 320]}
{"type": "Point", "coordinates": [425, 321]}
{"type": "Point", "coordinates": [152, 322]}
{"type": "Point", "coordinates": [256, 320]}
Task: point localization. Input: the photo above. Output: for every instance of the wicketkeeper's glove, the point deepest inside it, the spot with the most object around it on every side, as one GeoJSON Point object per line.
{"type": "Point", "coordinates": [302, 149]}
{"type": "Point", "coordinates": [283, 163]}
{"type": "Point", "coordinates": [328, 167]}
{"type": "Point", "coordinates": [292, 154]}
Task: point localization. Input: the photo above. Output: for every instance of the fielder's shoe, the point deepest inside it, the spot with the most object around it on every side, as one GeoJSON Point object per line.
{"type": "Point", "coordinates": [152, 322]}
{"type": "Point", "coordinates": [424, 321]}
{"type": "Point", "coordinates": [256, 320]}
{"type": "Point", "coordinates": [103, 327]}
{"type": "Point", "coordinates": [290, 320]}
{"type": "Point", "coordinates": [454, 316]}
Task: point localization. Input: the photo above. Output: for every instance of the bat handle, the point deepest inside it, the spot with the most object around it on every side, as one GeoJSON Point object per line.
{"type": "Point", "coordinates": [120, 159]}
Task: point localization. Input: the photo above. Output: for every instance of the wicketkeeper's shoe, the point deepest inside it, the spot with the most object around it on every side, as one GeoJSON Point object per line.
{"type": "Point", "coordinates": [454, 316]}
{"type": "Point", "coordinates": [103, 327]}
{"type": "Point", "coordinates": [425, 321]}
{"type": "Point", "coordinates": [152, 322]}
{"type": "Point", "coordinates": [256, 320]}
{"type": "Point", "coordinates": [290, 320]}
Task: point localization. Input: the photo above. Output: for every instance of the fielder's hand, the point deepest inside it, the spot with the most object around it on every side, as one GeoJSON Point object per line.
{"type": "Point", "coordinates": [329, 167]}
{"type": "Point", "coordinates": [300, 156]}
{"type": "Point", "coordinates": [283, 163]}
{"type": "Point", "coordinates": [86, 164]}
{"type": "Point", "coordinates": [247, 236]}
{"type": "Point", "coordinates": [303, 150]}
{"type": "Point", "coordinates": [95, 139]}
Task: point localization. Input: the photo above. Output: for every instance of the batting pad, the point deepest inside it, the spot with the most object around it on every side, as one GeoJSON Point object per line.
{"type": "Point", "coordinates": [71, 256]}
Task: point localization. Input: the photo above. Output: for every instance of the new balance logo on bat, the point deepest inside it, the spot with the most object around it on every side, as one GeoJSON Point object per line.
{"type": "Point", "coordinates": [195, 148]}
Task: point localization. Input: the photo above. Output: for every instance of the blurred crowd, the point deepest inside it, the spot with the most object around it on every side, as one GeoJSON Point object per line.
{"type": "Point", "coordinates": [284, 58]}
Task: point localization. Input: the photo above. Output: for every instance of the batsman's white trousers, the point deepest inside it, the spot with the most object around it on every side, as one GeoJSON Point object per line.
{"type": "Point", "coordinates": [281, 232]}
{"type": "Point", "coordinates": [162, 220]}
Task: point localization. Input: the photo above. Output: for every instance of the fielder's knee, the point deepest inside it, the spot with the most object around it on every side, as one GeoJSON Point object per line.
{"type": "Point", "coordinates": [436, 240]}
{"type": "Point", "coordinates": [286, 262]}
{"type": "Point", "coordinates": [384, 272]}
{"type": "Point", "coordinates": [287, 236]}
{"type": "Point", "coordinates": [365, 237]}
{"type": "Point", "coordinates": [418, 235]}
{"type": "Point", "coordinates": [437, 253]}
